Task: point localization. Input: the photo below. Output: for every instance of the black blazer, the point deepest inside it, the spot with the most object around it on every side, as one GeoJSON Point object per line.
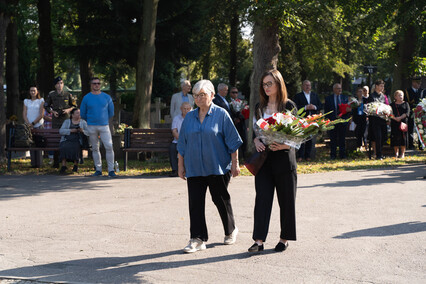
{"type": "Point", "coordinates": [413, 98]}
{"type": "Point", "coordinates": [301, 102]}
{"type": "Point", "coordinates": [283, 160]}
{"type": "Point", "coordinates": [217, 100]}
{"type": "Point", "coordinates": [330, 106]}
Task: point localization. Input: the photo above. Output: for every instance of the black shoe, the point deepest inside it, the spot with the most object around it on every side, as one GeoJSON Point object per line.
{"type": "Point", "coordinates": [255, 248]}
{"type": "Point", "coordinates": [63, 169]}
{"type": "Point", "coordinates": [281, 247]}
{"type": "Point", "coordinates": [75, 168]}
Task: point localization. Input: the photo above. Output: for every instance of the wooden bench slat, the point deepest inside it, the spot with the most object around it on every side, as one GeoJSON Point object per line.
{"type": "Point", "coordinates": [146, 140]}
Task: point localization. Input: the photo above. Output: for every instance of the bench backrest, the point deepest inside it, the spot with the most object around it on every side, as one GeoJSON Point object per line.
{"type": "Point", "coordinates": [51, 137]}
{"type": "Point", "coordinates": [155, 139]}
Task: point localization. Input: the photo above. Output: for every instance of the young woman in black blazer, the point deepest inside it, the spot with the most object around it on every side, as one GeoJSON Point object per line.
{"type": "Point", "coordinates": [279, 170]}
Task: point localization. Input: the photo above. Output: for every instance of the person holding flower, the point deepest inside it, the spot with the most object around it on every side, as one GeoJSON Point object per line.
{"type": "Point", "coordinates": [207, 157]}
{"type": "Point", "coordinates": [377, 130]}
{"type": "Point", "coordinates": [401, 111]}
{"type": "Point", "coordinates": [237, 105]}
{"type": "Point", "coordinates": [360, 119]}
{"type": "Point", "coordinates": [278, 172]}
{"type": "Point", "coordinates": [337, 106]}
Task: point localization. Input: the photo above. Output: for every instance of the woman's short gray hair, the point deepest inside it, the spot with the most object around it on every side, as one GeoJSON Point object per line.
{"type": "Point", "coordinates": [206, 85]}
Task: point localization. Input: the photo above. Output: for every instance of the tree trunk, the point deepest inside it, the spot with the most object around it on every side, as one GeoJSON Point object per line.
{"type": "Point", "coordinates": [145, 65]}
{"type": "Point", "coordinates": [266, 48]}
{"type": "Point", "coordinates": [12, 70]}
{"type": "Point", "coordinates": [235, 24]}
{"type": "Point", "coordinates": [85, 75]}
{"type": "Point", "coordinates": [405, 49]}
{"type": "Point", "coordinates": [347, 80]}
{"type": "Point", "coordinates": [45, 46]}
{"type": "Point", "coordinates": [206, 62]}
{"type": "Point", "coordinates": [4, 22]}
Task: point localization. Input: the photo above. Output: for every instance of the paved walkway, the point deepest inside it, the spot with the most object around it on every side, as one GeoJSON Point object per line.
{"type": "Point", "coordinates": [353, 227]}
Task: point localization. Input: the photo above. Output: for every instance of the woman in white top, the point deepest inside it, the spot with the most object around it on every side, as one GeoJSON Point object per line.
{"type": "Point", "coordinates": [33, 117]}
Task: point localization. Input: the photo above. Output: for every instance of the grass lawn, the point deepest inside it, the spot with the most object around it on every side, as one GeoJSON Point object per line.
{"type": "Point", "coordinates": [159, 165]}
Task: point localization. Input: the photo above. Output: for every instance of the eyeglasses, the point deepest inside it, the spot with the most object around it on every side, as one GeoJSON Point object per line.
{"type": "Point", "coordinates": [96, 83]}
{"type": "Point", "coordinates": [233, 92]}
{"type": "Point", "coordinates": [199, 96]}
{"type": "Point", "coordinates": [268, 84]}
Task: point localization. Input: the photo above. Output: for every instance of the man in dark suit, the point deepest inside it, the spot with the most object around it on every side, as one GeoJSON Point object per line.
{"type": "Point", "coordinates": [338, 134]}
{"type": "Point", "coordinates": [412, 96]}
{"type": "Point", "coordinates": [312, 105]}
{"type": "Point", "coordinates": [220, 97]}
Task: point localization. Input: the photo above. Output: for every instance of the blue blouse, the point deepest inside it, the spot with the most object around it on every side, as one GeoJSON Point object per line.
{"type": "Point", "coordinates": [207, 147]}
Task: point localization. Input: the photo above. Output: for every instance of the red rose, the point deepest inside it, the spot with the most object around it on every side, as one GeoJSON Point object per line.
{"type": "Point", "coordinates": [271, 120]}
{"type": "Point", "coordinates": [246, 112]}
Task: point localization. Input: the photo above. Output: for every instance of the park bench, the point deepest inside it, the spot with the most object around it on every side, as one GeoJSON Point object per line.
{"type": "Point", "coordinates": [50, 138]}
{"type": "Point", "coordinates": [146, 140]}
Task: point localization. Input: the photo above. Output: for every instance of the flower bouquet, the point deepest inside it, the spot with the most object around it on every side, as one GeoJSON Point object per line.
{"type": "Point", "coordinates": [378, 109]}
{"type": "Point", "coordinates": [292, 130]}
{"type": "Point", "coordinates": [420, 121]}
{"type": "Point", "coordinates": [246, 112]}
{"type": "Point", "coordinates": [121, 127]}
{"type": "Point", "coordinates": [237, 104]}
{"type": "Point", "coordinates": [353, 103]}
{"type": "Point", "coordinates": [343, 109]}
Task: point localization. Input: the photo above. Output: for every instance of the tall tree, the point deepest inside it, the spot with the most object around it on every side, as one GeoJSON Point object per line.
{"type": "Point", "coordinates": [12, 70]}
{"type": "Point", "coordinates": [234, 31]}
{"type": "Point", "coordinates": [145, 65]}
{"type": "Point", "coordinates": [45, 46]}
{"type": "Point", "coordinates": [4, 22]}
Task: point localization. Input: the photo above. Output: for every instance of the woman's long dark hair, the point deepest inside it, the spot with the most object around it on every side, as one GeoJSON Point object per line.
{"type": "Point", "coordinates": [282, 91]}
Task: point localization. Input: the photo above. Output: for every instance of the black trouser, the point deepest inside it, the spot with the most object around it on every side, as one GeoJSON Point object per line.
{"type": "Point", "coordinates": [337, 138]}
{"type": "Point", "coordinates": [378, 133]}
{"type": "Point", "coordinates": [305, 149]}
{"type": "Point", "coordinates": [410, 133]}
{"type": "Point", "coordinates": [218, 187]}
{"type": "Point", "coordinates": [361, 126]}
{"type": "Point", "coordinates": [173, 152]}
{"type": "Point", "coordinates": [266, 181]}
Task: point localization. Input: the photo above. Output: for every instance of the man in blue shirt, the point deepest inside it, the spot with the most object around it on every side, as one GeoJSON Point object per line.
{"type": "Point", "coordinates": [97, 109]}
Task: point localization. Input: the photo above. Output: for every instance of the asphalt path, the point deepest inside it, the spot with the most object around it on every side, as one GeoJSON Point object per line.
{"type": "Point", "coordinates": [363, 226]}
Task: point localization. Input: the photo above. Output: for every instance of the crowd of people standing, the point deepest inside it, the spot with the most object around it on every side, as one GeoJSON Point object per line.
{"type": "Point", "coordinates": [59, 111]}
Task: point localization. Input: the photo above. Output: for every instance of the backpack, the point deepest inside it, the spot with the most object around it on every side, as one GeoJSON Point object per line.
{"type": "Point", "coordinates": [22, 136]}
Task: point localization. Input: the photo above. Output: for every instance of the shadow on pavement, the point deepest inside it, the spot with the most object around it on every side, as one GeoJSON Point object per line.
{"type": "Point", "coordinates": [20, 186]}
{"type": "Point", "coordinates": [113, 269]}
{"type": "Point", "coordinates": [379, 176]}
{"type": "Point", "coordinates": [391, 230]}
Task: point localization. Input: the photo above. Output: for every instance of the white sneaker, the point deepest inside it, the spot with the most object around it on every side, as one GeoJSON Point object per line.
{"type": "Point", "coordinates": [194, 245]}
{"type": "Point", "coordinates": [230, 239]}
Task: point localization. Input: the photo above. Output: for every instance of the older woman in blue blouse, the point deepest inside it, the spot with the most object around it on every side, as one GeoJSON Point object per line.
{"type": "Point", "coordinates": [208, 157]}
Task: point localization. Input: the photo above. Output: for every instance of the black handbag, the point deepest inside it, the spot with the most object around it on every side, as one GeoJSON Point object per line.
{"type": "Point", "coordinates": [256, 161]}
